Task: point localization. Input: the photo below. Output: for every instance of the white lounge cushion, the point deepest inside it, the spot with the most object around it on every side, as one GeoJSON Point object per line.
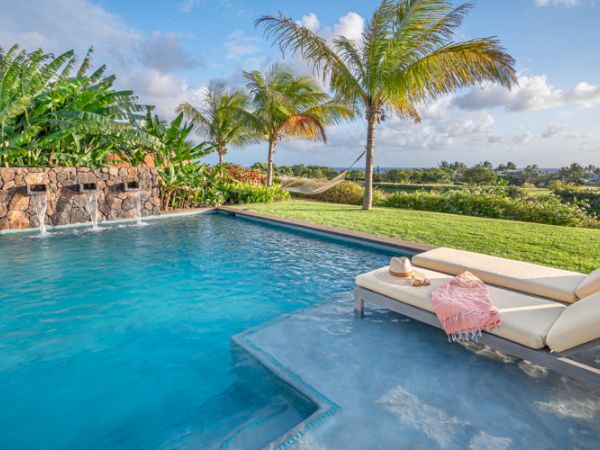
{"type": "Point", "coordinates": [590, 285]}
{"type": "Point", "coordinates": [577, 325]}
{"type": "Point", "coordinates": [556, 284]}
{"type": "Point", "coordinates": [526, 319]}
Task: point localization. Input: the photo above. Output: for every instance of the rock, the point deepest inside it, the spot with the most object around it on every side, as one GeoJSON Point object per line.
{"type": "Point", "coordinates": [114, 202]}
{"type": "Point", "coordinates": [79, 215]}
{"type": "Point", "coordinates": [63, 205]}
{"type": "Point", "coordinates": [104, 209]}
{"type": "Point", "coordinates": [17, 220]}
{"type": "Point", "coordinates": [61, 177]}
{"type": "Point", "coordinates": [8, 175]}
{"type": "Point", "coordinates": [61, 219]}
{"type": "Point", "coordinates": [86, 178]}
{"type": "Point", "coordinates": [19, 202]}
{"type": "Point", "coordinates": [35, 178]}
{"type": "Point", "coordinates": [128, 204]}
{"type": "Point", "coordinates": [78, 201]}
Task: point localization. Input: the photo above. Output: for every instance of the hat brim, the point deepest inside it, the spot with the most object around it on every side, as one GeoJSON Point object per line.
{"type": "Point", "coordinates": [385, 276]}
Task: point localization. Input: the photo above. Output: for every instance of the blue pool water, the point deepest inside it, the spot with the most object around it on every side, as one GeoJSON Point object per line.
{"type": "Point", "coordinates": [121, 338]}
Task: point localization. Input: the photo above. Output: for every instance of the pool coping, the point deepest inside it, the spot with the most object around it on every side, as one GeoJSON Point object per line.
{"type": "Point", "coordinates": [360, 236]}
{"type": "Point", "coordinates": [325, 407]}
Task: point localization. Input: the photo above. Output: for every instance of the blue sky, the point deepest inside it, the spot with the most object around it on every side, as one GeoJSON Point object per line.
{"type": "Point", "coordinates": [168, 51]}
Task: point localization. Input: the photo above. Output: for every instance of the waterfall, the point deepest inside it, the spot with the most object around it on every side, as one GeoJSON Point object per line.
{"type": "Point", "coordinates": [137, 204]}
{"type": "Point", "coordinates": [91, 206]}
{"type": "Point", "coordinates": [40, 200]}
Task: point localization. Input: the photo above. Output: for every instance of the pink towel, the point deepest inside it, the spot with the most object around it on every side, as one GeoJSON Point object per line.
{"type": "Point", "coordinates": [464, 308]}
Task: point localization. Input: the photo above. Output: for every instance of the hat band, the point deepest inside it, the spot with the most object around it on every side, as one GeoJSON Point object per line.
{"type": "Point", "coordinates": [402, 274]}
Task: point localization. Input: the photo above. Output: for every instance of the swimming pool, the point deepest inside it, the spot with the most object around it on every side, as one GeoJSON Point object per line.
{"type": "Point", "coordinates": [121, 338]}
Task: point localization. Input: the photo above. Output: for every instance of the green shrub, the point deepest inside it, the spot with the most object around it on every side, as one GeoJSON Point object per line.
{"type": "Point", "coordinates": [547, 209]}
{"type": "Point", "coordinates": [252, 193]}
{"type": "Point", "coordinates": [588, 198]}
{"type": "Point", "coordinates": [347, 192]}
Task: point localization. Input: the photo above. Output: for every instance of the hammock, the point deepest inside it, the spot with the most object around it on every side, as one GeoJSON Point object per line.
{"type": "Point", "coordinates": [312, 187]}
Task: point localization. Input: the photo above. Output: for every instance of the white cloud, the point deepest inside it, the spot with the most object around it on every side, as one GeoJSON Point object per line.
{"type": "Point", "coordinates": [554, 130]}
{"type": "Point", "coordinates": [523, 139]}
{"type": "Point", "coordinates": [542, 3]}
{"type": "Point", "coordinates": [350, 26]}
{"type": "Point", "coordinates": [164, 90]}
{"type": "Point", "coordinates": [141, 63]}
{"type": "Point", "coordinates": [41, 23]}
{"type": "Point", "coordinates": [584, 94]}
{"type": "Point", "coordinates": [240, 45]}
{"type": "Point", "coordinates": [311, 21]}
{"type": "Point", "coordinates": [533, 93]}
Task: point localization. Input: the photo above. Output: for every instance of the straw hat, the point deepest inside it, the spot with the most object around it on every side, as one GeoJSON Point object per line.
{"type": "Point", "coordinates": [401, 267]}
{"type": "Point", "coordinates": [400, 272]}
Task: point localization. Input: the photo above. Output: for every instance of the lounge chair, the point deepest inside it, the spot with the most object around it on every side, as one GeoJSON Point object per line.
{"type": "Point", "coordinates": [548, 314]}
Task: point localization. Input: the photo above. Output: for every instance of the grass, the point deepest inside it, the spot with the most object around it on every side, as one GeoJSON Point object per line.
{"type": "Point", "coordinates": [568, 248]}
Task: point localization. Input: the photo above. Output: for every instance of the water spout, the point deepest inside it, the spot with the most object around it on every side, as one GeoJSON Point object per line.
{"type": "Point", "coordinates": [137, 206]}
{"type": "Point", "coordinates": [40, 200]}
{"type": "Point", "coordinates": [91, 206]}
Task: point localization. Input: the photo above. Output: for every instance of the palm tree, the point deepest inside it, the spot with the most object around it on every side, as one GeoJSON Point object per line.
{"type": "Point", "coordinates": [405, 56]}
{"type": "Point", "coordinates": [288, 106]}
{"type": "Point", "coordinates": [223, 118]}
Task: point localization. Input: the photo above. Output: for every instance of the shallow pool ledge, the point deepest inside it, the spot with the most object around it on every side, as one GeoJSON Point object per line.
{"type": "Point", "coordinates": [390, 382]}
{"type": "Point", "coordinates": [325, 407]}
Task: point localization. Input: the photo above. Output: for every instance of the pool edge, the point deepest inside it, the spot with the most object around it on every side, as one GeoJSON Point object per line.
{"type": "Point", "coordinates": [359, 236]}
{"type": "Point", "coordinates": [68, 226]}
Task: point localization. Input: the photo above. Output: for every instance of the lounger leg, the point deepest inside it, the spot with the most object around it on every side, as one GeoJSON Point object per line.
{"type": "Point", "coordinates": [359, 305]}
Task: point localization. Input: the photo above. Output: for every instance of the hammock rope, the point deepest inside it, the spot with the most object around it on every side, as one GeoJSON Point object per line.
{"type": "Point", "coordinates": [313, 187]}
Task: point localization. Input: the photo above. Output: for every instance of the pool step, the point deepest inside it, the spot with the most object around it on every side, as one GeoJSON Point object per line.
{"type": "Point", "coordinates": [266, 425]}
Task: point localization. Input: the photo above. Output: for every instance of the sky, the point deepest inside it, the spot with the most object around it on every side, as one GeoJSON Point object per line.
{"type": "Point", "coordinates": [168, 51]}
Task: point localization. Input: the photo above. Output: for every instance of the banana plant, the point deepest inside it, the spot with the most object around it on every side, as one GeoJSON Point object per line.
{"type": "Point", "coordinates": [56, 112]}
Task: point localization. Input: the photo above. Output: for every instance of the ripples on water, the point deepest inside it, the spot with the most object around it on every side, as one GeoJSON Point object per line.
{"type": "Point", "coordinates": [121, 338]}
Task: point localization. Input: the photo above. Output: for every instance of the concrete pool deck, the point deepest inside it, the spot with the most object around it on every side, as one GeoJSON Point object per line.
{"type": "Point", "coordinates": [383, 383]}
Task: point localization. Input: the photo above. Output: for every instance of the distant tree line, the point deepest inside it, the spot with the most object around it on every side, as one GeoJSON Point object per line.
{"type": "Point", "coordinates": [483, 173]}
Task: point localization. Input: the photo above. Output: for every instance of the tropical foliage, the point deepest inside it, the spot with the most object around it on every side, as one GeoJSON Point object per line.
{"type": "Point", "coordinates": [223, 118]}
{"type": "Point", "coordinates": [405, 56]}
{"type": "Point", "coordinates": [54, 112]}
{"type": "Point", "coordinates": [288, 106]}
{"type": "Point", "coordinates": [545, 209]}
{"type": "Point", "coordinates": [252, 193]}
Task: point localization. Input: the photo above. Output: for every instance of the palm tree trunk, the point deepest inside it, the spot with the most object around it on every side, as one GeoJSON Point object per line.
{"type": "Point", "coordinates": [368, 198]}
{"type": "Point", "coordinates": [220, 158]}
{"type": "Point", "coordinates": [270, 162]}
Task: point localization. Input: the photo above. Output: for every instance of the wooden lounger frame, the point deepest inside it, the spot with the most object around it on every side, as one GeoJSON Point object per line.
{"type": "Point", "coordinates": [544, 357]}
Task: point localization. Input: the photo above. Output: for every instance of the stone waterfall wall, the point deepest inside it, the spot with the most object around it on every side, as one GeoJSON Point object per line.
{"type": "Point", "coordinates": [65, 204]}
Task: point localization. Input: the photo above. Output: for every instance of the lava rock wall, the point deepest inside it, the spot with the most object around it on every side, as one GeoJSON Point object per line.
{"type": "Point", "coordinates": [65, 205]}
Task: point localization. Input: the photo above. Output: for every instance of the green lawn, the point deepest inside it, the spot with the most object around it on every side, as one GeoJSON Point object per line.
{"type": "Point", "coordinates": [565, 247]}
